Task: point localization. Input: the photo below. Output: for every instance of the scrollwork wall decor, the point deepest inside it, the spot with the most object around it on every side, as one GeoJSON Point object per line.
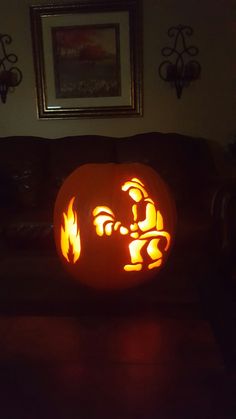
{"type": "Point", "coordinates": [10, 75]}
{"type": "Point", "coordinates": [178, 69]}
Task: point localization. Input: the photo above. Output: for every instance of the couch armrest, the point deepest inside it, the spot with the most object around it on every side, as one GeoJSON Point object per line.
{"type": "Point", "coordinates": [217, 288]}
{"type": "Point", "coordinates": [223, 212]}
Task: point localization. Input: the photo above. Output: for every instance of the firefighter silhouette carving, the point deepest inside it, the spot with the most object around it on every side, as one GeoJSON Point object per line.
{"type": "Point", "coordinates": [145, 234]}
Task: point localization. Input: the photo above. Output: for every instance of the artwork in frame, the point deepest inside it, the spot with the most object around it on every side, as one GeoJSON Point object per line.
{"type": "Point", "coordinates": [87, 59]}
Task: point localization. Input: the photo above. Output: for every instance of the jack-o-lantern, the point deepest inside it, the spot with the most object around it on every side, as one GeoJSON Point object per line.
{"type": "Point", "coordinates": [114, 224]}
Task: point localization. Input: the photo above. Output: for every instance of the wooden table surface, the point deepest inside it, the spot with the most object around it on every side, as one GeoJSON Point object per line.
{"type": "Point", "coordinates": [120, 367]}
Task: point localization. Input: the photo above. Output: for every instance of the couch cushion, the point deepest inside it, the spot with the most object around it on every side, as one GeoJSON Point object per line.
{"type": "Point", "coordinates": [24, 173]}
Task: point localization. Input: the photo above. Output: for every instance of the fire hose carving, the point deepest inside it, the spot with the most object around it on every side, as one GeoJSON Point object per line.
{"type": "Point", "coordinates": [145, 234]}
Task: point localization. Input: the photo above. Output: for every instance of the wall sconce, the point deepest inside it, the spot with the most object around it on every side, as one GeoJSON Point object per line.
{"type": "Point", "coordinates": [179, 72]}
{"type": "Point", "coordinates": [10, 76]}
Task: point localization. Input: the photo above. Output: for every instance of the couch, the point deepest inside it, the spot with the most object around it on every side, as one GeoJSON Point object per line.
{"type": "Point", "coordinates": [128, 366]}
{"type": "Point", "coordinates": [32, 170]}
{"type": "Point", "coordinates": [199, 270]}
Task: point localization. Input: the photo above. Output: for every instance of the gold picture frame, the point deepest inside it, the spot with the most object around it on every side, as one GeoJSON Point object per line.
{"type": "Point", "coordinates": [87, 59]}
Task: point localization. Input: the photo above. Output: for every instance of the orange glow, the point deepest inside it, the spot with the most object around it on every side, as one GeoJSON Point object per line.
{"type": "Point", "coordinates": [103, 220]}
{"type": "Point", "coordinates": [136, 258]}
{"type": "Point", "coordinates": [160, 223]}
{"type": "Point", "coordinates": [124, 230]}
{"type": "Point", "coordinates": [113, 226]}
{"type": "Point", "coordinates": [70, 234]}
{"type": "Point", "coordinates": [134, 184]}
{"type": "Point", "coordinates": [150, 221]}
{"type": "Point", "coordinates": [145, 234]}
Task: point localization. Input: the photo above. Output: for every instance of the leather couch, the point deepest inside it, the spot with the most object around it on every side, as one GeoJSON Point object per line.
{"type": "Point", "coordinates": [32, 170]}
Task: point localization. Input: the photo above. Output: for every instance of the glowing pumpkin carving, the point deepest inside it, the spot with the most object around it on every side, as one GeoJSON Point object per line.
{"type": "Point", "coordinates": [114, 224]}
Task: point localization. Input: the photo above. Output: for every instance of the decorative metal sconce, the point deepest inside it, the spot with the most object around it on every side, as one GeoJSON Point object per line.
{"type": "Point", "coordinates": [10, 76]}
{"type": "Point", "coordinates": [179, 72]}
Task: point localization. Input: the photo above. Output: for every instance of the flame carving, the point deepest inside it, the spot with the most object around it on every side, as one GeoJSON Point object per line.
{"type": "Point", "coordinates": [70, 235]}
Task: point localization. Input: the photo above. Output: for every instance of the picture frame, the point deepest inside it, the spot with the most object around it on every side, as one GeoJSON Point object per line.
{"type": "Point", "coordinates": [87, 59]}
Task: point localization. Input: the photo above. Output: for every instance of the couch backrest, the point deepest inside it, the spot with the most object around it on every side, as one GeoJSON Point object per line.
{"type": "Point", "coordinates": [32, 169]}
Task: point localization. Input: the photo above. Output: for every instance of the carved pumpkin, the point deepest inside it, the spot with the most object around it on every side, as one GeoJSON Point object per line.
{"type": "Point", "coordinates": [114, 224]}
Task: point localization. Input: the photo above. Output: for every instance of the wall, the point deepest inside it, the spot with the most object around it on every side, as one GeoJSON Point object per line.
{"type": "Point", "coordinates": [207, 107]}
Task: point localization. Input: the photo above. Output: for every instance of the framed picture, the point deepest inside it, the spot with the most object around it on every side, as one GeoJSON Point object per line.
{"type": "Point", "coordinates": [87, 59]}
